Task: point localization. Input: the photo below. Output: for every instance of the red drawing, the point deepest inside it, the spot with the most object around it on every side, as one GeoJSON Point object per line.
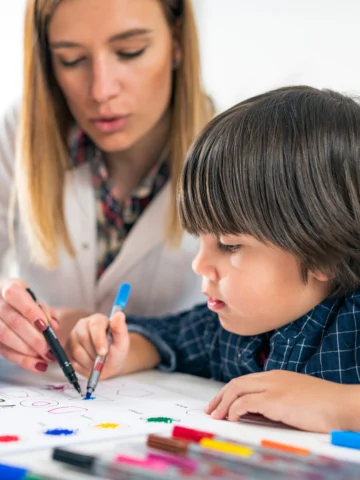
{"type": "Point", "coordinates": [67, 410]}
{"type": "Point", "coordinates": [39, 403]}
{"type": "Point", "coordinates": [60, 388]}
{"type": "Point", "coordinates": [9, 438]}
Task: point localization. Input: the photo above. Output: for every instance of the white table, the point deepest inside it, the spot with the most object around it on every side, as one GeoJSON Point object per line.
{"type": "Point", "coordinates": [198, 388]}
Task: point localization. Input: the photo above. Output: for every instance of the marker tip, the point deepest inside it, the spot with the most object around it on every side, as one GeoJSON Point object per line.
{"type": "Point", "coordinates": [77, 388]}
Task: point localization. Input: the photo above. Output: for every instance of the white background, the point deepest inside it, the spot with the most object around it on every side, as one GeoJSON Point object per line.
{"type": "Point", "coordinates": [247, 46]}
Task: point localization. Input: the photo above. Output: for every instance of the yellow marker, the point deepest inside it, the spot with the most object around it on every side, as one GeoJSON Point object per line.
{"type": "Point", "coordinates": [225, 447]}
{"type": "Point", "coordinates": [107, 425]}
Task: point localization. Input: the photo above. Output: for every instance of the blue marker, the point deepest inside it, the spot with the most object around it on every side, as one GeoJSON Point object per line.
{"type": "Point", "coordinates": [119, 306]}
{"type": "Point", "coordinates": [10, 472]}
{"type": "Point", "coordinates": [345, 439]}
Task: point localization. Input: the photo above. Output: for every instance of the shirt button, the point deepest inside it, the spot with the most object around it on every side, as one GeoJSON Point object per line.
{"type": "Point", "coordinates": [85, 246]}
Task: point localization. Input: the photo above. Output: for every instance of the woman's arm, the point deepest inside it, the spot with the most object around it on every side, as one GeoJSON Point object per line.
{"type": "Point", "coordinates": [8, 132]}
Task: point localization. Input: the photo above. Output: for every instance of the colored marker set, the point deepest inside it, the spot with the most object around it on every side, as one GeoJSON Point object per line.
{"type": "Point", "coordinates": [194, 454]}
{"type": "Point", "coordinates": [268, 460]}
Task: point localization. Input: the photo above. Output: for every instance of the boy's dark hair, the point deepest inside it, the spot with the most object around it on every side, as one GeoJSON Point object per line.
{"type": "Point", "coordinates": [283, 167]}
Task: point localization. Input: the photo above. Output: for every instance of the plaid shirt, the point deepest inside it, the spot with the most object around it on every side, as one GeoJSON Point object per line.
{"type": "Point", "coordinates": [325, 343]}
{"type": "Point", "coordinates": [115, 218]}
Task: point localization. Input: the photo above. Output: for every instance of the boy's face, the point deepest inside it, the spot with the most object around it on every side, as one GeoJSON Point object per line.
{"type": "Point", "coordinates": [255, 287]}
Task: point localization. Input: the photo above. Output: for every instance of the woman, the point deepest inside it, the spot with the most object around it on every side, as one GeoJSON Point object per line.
{"type": "Point", "coordinates": [110, 105]}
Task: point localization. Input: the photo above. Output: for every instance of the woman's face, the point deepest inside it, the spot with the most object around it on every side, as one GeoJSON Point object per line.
{"type": "Point", "coordinates": [113, 62]}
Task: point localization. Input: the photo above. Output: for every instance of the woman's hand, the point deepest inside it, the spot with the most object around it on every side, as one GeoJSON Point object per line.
{"type": "Point", "coordinates": [298, 400]}
{"type": "Point", "coordinates": [21, 324]}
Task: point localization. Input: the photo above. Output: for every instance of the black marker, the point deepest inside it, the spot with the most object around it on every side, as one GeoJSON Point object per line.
{"type": "Point", "coordinates": [58, 351]}
{"type": "Point", "coordinates": [99, 468]}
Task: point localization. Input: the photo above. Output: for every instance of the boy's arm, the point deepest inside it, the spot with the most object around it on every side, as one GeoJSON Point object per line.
{"type": "Point", "coordinates": [142, 355]}
{"type": "Point", "coordinates": [178, 340]}
{"type": "Point", "coordinates": [186, 342]}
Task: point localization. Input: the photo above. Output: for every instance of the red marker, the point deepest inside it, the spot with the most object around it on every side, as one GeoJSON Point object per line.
{"type": "Point", "coordinates": [278, 451]}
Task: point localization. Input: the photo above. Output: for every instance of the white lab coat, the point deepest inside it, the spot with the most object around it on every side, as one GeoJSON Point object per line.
{"type": "Point", "coordinates": [162, 280]}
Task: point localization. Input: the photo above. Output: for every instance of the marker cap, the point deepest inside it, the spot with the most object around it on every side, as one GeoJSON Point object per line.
{"type": "Point", "coordinates": [122, 296]}
{"type": "Point", "coordinates": [190, 434]}
{"type": "Point", "coordinates": [345, 439]}
{"type": "Point", "coordinates": [85, 462]}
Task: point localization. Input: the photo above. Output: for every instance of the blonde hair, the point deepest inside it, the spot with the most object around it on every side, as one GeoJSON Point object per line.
{"type": "Point", "coordinates": [43, 155]}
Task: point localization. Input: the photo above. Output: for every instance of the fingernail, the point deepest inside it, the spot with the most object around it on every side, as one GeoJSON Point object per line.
{"type": "Point", "coordinates": [102, 351]}
{"type": "Point", "coordinates": [213, 413]}
{"type": "Point", "coordinates": [42, 367]}
{"type": "Point", "coordinates": [40, 325]}
{"type": "Point", "coordinates": [50, 356]}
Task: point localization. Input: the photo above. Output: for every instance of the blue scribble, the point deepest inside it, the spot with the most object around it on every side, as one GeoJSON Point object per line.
{"type": "Point", "coordinates": [60, 431]}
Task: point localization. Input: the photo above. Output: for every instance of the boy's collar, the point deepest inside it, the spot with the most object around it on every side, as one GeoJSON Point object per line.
{"type": "Point", "coordinates": [317, 318]}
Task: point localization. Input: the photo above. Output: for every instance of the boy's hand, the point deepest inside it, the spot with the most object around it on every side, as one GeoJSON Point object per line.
{"type": "Point", "coordinates": [67, 318]}
{"type": "Point", "coordinates": [298, 400]}
{"type": "Point", "coordinates": [88, 339]}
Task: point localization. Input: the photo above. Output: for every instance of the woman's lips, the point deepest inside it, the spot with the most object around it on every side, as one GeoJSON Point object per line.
{"type": "Point", "coordinates": [110, 125]}
{"type": "Point", "coordinates": [215, 305]}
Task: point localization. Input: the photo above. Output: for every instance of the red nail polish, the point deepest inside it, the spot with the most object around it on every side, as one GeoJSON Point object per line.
{"type": "Point", "coordinates": [50, 356]}
{"type": "Point", "coordinates": [42, 367]}
{"type": "Point", "coordinates": [40, 325]}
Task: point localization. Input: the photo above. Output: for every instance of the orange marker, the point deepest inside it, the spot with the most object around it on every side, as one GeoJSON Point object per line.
{"type": "Point", "coordinates": [284, 448]}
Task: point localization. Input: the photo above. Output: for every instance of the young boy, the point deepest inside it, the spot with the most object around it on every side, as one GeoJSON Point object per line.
{"type": "Point", "coordinates": [272, 188]}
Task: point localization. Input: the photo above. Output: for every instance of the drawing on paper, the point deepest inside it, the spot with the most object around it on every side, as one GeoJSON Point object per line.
{"type": "Point", "coordinates": [198, 413]}
{"type": "Point", "coordinates": [57, 388]}
{"type": "Point", "coordinates": [69, 409]}
{"type": "Point", "coordinates": [39, 403]}
{"type": "Point", "coordinates": [19, 393]}
{"type": "Point", "coordinates": [161, 420]}
{"type": "Point", "coordinates": [74, 397]}
{"type": "Point", "coordinates": [135, 393]}
{"type": "Point", "coordinates": [38, 413]}
{"type": "Point", "coordinates": [107, 425]}
{"type": "Point", "coordinates": [9, 438]}
{"type": "Point", "coordinates": [60, 432]}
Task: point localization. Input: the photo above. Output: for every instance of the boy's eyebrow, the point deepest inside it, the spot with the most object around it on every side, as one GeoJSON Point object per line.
{"type": "Point", "coordinates": [135, 32]}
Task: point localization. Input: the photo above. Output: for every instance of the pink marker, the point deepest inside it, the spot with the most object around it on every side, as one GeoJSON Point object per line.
{"type": "Point", "coordinates": [154, 464]}
{"type": "Point", "coordinates": [174, 460]}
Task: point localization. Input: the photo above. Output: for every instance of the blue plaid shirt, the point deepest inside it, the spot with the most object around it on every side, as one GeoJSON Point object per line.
{"type": "Point", "coordinates": [325, 343]}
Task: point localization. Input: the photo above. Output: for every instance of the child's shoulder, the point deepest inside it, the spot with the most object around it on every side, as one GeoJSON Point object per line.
{"type": "Point", "coordinates": [325, 342]}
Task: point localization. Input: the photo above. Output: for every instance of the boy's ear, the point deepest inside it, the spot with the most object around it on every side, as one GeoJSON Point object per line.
{"type": "Point", "coordinates": [320, 276]}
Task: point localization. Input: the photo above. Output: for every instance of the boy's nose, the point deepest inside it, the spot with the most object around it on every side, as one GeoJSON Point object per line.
{"type": "Point", "coordinates": [203, 267]}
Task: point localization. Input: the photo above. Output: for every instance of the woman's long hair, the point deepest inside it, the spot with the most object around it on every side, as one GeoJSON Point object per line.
{"type": "Point", "coordinates": [43, 156]}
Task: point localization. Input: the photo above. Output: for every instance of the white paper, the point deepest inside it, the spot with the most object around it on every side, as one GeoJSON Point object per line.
{"type": "Point", "coordinates": [32, 406]}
